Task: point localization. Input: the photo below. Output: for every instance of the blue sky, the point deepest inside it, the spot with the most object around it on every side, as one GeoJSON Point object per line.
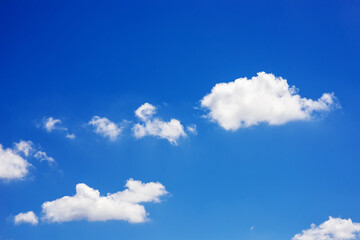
{"type": "Point", "coordinates": [276, 173]}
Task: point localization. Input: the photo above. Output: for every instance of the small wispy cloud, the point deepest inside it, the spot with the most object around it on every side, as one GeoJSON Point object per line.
{"type": "Point", "coordinates": [42, 156]}
{"type": "Point", "coordinates": [191, 129]}
{"type": "Point", "coordinates": [50, 124]}
{"type": "Point", "coordinates": [70, 136]}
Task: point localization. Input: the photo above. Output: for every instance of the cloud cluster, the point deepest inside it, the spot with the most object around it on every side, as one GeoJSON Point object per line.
{"type": "Point", "coordinates": [28, 217]}
{"type": "Point", "coordinates": [241, 103]}
{"type": "Point", "coordinates": [332, 229]}
{"type": "Point", "coordinates": [51, 124]}
{"type": "Point", "coordinates": [263, 98]}
{"type": "Point", "coordinates": [105, 127]}
{"type": "Point", "coordinates": [88, 204]}
{"type": "Point", "coordinates": [171, 130]}
{"type": "Point", "coordinates": [14, 163]}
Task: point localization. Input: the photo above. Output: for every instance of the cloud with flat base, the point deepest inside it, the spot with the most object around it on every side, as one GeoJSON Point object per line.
{"type": "Point", "coordinates": [264, 98]}
{"type": "Point", "coordinates": [87, 204]}
{"type": "Point", "coordinates": [332, 229]}
{"type": "Point", "coordinates": [28, 217]}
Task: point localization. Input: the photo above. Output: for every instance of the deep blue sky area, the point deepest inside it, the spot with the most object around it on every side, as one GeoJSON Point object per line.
{"type": "Point", "coordinates": [73, 60]}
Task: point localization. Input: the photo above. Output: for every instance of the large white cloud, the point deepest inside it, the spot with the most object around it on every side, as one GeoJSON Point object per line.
{"type": "Point", "coordinates": [171, 130]}
{"type": "Point", "coordinates": [332, 229]}
{"type": "Point", "coordinates": [87, 204]}
{"type": "Point", "coordinates": [28, 217]}
{"type": "Point", "coordinates": [105, 127]}
{"type": "Point", "coordinates": [263, 98]}
{"type": "Point", "coordinates": [12, 165]}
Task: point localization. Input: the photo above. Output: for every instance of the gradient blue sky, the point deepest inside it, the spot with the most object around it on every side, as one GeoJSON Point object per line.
{"type": "Point", "coordinates": [75, 59]}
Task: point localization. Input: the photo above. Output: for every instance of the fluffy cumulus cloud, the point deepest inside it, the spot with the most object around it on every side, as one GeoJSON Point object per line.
{"type": "Point", "coordinates": [28, 217]}
{"type": "Point", "coordinates": [12, 164]}
{"type": "Point", "coordinates": [263, 98]}
{"type": "Point", "coordinates": [171, 130]}
{"type": "Point", "coordinates": [332, 229]}
{"type": "Point", "coordinates": [51, 124]}
{"type": "Point", "coordinates": [105, 127]}
{"type": "Point", "coordinates": [145, 111]}
{"type": "Point", "coordinates": [88, 204]}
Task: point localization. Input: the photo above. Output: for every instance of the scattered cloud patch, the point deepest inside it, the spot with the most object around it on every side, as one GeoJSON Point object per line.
{"type": "Point", "coordinates": [12, 164]}
{"type": "Point", "coordinates": [70, 136]}
{"type": "Point", "coordinates": [332, 229]}
{"type": "Point", "coordinates": [171, 130]}
{"type": "Point", "coordinates": [24, 147]}
{"type": "Point", "coordinates": [261, 99]}
{"type": "Point", "coordinates": [191, 129]}
{"type": "Point", "coordinates": [88, 204]}
{"type": "Point", "coordinates": [42, 156]}
{"type": "Point", "coordinates": [105, 127]}
{"type": "Point", "coordinates": [28, 217]}
{"type": "Point", "coordinates": [51, 124]}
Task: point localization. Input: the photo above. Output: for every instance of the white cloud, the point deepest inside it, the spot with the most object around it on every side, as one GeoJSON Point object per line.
{"type": "Point", "coordinates": [145, 111]}
{"type": "Point", "coordinates": [70, 136]}
{"type": "Point", "coordinates": [191, 129]}
{"type": "Point", "coordinates": [264, 98]}
{"type": "Point", "coordinates": [105, 127]}
{"type": "Point", "coordinates": [28, 217]}
{"type": "Point", "coordinates": [42, 156]}
{"type": "Point", "coordinates": [12, 165]}
{"type": "Point", "coordinates": [50, 124]}
{"type": "Point", "coordinates": [332, 229]}
{"type": "Point", "coordinates": [14, 162]}
{"type": "Point", "coordinates": [171, 130]}
{"type": "Point", "coordinates": [24, 147]}
{"type": "Point", "coordinates": [87, 204]}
